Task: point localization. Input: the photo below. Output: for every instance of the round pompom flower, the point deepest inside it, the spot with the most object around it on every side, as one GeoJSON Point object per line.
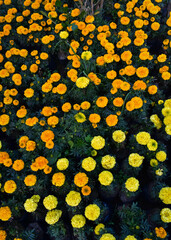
{"type": "Point", "coordinates": [73, 198]}
{"type": "Point", "coordinates": [132, 184]}
{"type": "Point", "coordinates": [63, 34]}
{"type": "Point", "coordinates": [107, 236]}
{"type": "Point", "coordinates": [89, 164]}
{"type": "Point", "coordinates": [5, 213]}
{"type": "Point", "coordinates": [30, 180]}
{"type": "Point", "coordinates": [82, 82]}
{"type": "Point", "coordinates": [166, 215]}
{"type": "Point", "coordinates": [105, 178]}
{"type": "Point", "coordinates": [10, 186]}
{"type": "Point", "coordinates": [108, 162]}
{"type": "Point", "coordinates": [92, 212]}
{"type": "Point", "coordinates": [165, 195]}
{"type": "Point", "coordinates": [118, 136]}
{"type": "Point", "coordinates": [80, 179]}
{"type": "Point", "coordinates": [30, 205]}
{"type": "Point", "coordinates": [143, 138]}
{"type": "Point", "coordinates": [53, 216]}
{"type": "Point", "coordinates": [98, 142]}
{"type": "Point", "coordinates": [50, 202]}
{"type": "Point", "coordinates": [78, 221]}
{"type": "Point", "coordinates": [62, 164]}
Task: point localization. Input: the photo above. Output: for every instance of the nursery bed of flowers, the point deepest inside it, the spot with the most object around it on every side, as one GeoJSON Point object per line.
{"type": "Point", "coordinates": [85, 120]}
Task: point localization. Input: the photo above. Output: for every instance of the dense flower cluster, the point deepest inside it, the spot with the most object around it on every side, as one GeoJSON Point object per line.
{"type": "Point", "coordinates": [85, 118]}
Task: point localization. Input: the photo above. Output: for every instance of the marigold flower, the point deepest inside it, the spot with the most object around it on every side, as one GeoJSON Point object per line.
{"type": "Point", "coordinates": [58, 179]}
{"type": "Point", "coordinates": [5, 213]}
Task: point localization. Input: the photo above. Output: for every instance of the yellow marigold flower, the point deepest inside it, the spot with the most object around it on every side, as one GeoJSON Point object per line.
{"type": "Point", "coordinates": [135, 160]}
{"type": "Point", "coordinates": [105, 178]}
{"type": "Point", "coordinates": [30, 205]}
{"type": "Point", "coordinates": [166, 215]}
{"type": "Point", "coordinates": [63, 34]}
{"type": "Point", "coordinates": [161, 156]}
{"type": "Point", "coordinates": [62, 164]}
{"type": "Point", "coordinates": [50, 202]}
{"type": "Point", "coordinates": [165, 195]}
{"type": "Point", "coordinates": [73, 198]}
{"type": "Point", "coordinates": [152, 145]}
{"type": "Point", "coordinates": [98, 228]}
{"type": "Point", "coordinates": [80, 117]}
{"type": "Point", "coordinates": [88, 164]}
{"type": "Point", "coordinates": [130, 237]}
{"type": "Point", "coordinates": [86, 55]}
{"type": "Point", "coordinates": [108, 162]}
{"type": "Point", "coordinates": [53, 216]}
{"type": "Point", "coordinates": [78, 221]}
{"type": "Point", "coordinates": [82, 82]}
{"type": "Point", "coordinates": [153, 162]}
{"type": "Point", "coordinates": [98, 142]}
{"type": "Point", "coordinates": [107, 236]}
{"type": "Point", "coordinates": [5, 213]}
{"type": "Point", "coordinates": [132, 184]}
{"type": "Point", "coordinates": [92, 212]}
{"type": "Point", "coordinates": [118, 136]}
{"type": "Point", "coordinates": [143, 138]}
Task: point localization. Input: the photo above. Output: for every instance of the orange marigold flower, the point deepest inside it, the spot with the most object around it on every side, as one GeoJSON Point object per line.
{"type": "Point", "coordinates": [4, 119]}
{"type": "Point", "coordinates": [126, 55]}
{"type": "Point", "coordinates": [7, 162]}
{"type": "Point", "coordinates": [86, 190]}
{"type": "Point", "coordinates": [10, 186]}
{"type": "Point", "coordinates": [125, 86]}
{"type": "Point", "coordinates": [85, 105]}
{"type": "Point", "coordinates": [49, 144]}
{"type": "Point", "coordinates": [61, 88]}
{"type": "Point", "coordinates": [138, 102]}
{"type": "Point", "coordinates": [33, 68]}
{"type": "Point", "coordinates": [5, 213]}
{"type": "Point", "coordinates": [111, 74]}
{"type": "Point", "coordinates": [118, 102]}
{"type": "Point", "coordinates": [125, 20]}
{"type": "Point", "coordinates": [41, 162]}
{"type": "Point", "coordinates": [94, 118]}
{"type": "Point", "coordinates": [102, 102]}
{"type": "Point", "coordinates": [30, 180]}
{"type": "Point", "coordinates": [152, 89]}
{"type": "Point", "coordinates": [21, 113]}
{"type": "Point", "coordinates": [30, 145]}
{"type": "Point", "coordinates": [139, 85]}
{"type": "Point", "coordinates": [160, 232]}
{"type": "Point", "coordinates": [58, 179]}
{"type": "Point", "coordinates": [142, 72]}
{"type": "Point", "coordinates": [112, 120]}
{"type": "Point", "coordinates": [18, 165]}
{"type": "Point", "coordinates": [53, 121]}
{"type": "Point", "coordinates": [89, 19]}
{"type": "Point", "coordinates": [129, 70]}
{"type": "Point", "coordinates": [130, 106]}
{"type": "Point", "coordinates": [3, 233]}
{"type": "Point", "coordinates": [80, 179]}
{"type": "Point", "coordinates": [47, 135]}
{"type": "Point", "coordinates": [66, 107]}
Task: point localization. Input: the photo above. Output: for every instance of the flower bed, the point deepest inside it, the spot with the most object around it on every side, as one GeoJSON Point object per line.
{"type": "Point", "coordinates": [85, 120]}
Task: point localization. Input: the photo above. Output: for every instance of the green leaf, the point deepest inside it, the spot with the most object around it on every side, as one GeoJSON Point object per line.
{"type": "Point", "coordinates": [74, 27]}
